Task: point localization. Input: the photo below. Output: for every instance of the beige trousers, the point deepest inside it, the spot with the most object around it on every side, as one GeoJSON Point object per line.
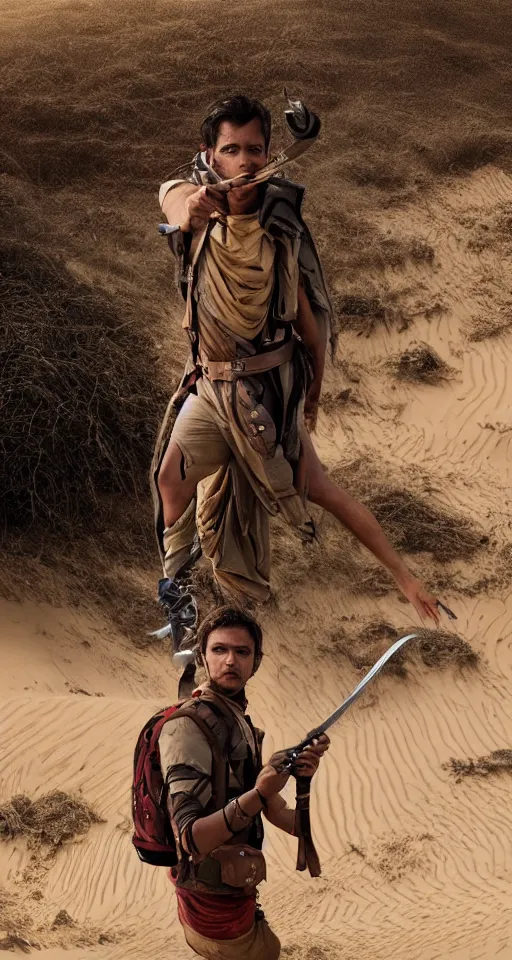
{"type": "Point", "coordinates": [259, 944]}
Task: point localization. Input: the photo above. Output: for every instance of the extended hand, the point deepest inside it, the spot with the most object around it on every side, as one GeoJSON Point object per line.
{"type": "Point", "coordinates": [200, 206]}
{"type": "Point", "coordinates": [307, 762]}
{"type": "Point", "coordinates": [423, 602]}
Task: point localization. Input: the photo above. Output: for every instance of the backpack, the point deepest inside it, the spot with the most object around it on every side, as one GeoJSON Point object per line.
{"type": "Point", "coordinates": [153, 836]}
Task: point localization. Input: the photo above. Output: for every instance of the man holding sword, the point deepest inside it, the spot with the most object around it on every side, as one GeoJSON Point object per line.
{"type": "Point", "coordinates": [219, 837]}
{"type": "Point", "coordinates": [217, 789]}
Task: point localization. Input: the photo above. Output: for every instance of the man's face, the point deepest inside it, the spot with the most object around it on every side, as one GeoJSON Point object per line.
{"type": "Point", "coordinates": [230, 658]}
{"type": "Point", "coordinates": [238, 149]}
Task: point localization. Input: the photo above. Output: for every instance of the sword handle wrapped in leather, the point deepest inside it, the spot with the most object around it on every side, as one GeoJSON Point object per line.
{"type": "Point", "coordinates": [306, 854]}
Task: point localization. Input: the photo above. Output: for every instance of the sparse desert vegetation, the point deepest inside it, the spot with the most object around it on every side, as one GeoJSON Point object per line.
{"type": "Point", "coordinates": [409, 197]}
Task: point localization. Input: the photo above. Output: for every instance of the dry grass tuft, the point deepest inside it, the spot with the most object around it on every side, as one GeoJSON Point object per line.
{"type": "Point", "coordinates": [499, 761]}
{"type": "Point", "coordinates": [15, 923]}
{"type": "Point", "coordinates": [493, 231]}
{"type": "Point", "coordinates": [363, 314]}
{"type": "Point", "coordinates": [362, 648]}
{"type": "Point", "coordinates": [50, 820]}
{"type": "Point", "coordinates": [397, 856]}
{"type": "Point", "coordinates": [332, 402]}
{"type": "Point", "coordinates": [63, 919]}
{"type": "Point", "coordinates": [439, 648]}
{"type": "Point", "coordinates": [365, 647]}
{"type": "Point", "coordinates": [412, 523]}
{"type": "Point", "coordinates": [420, 364]}
{"type": "Point", "coordinates": [494, 577]}
{"type": "Point", "coordinates": [486, 327]}
{"type": "Point", "coordinates": [302, 951]}
{"type": "Point", "coordinates": [418, 527]}
{"type": "Point", "coordinates": [350, 372]}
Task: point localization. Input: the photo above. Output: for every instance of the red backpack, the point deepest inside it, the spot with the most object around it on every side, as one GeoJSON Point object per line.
{"type": "Point", "coordinates": [153, 836]}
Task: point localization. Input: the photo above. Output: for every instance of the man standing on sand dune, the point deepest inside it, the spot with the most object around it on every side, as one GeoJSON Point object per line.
{"type": "Point", "coordinates": [216, 797]}
{"type": "Point", "coordinates": [235, 445]}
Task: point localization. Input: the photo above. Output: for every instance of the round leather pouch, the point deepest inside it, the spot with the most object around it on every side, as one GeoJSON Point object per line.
{"type": "Point", "coordinates": [240, 865]}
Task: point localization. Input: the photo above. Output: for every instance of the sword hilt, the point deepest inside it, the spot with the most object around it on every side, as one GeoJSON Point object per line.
{"type": "Point", "coordinates": [293, 752]}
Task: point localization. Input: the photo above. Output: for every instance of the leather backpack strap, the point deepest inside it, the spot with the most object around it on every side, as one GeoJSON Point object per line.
{"type": "Point", "coordinates": [306, 854]}
{"type": "Point", "coordinates": [220, 764]}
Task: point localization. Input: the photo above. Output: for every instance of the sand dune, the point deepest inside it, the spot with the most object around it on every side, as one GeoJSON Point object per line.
{"type": "Point", "coordinates": [417, 245]}
{"type": "Point", "coordinates": [412, 862]}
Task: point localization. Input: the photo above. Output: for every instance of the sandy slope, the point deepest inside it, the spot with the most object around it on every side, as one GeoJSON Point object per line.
{"type": "Point", "coordinates": [414, 865]}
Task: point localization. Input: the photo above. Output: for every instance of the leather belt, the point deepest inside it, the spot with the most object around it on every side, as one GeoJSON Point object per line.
{"type": "Point", "coordinates": [247, 366]}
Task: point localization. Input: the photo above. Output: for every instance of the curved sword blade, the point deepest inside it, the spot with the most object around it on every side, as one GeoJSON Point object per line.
{"type": "Point", "coordinates": [377, 667]}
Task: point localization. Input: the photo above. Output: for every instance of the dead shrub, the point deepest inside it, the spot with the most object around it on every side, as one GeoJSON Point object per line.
{"type": "Point", "coordinates": [490, 231]}
{"type": "Point", "coordinates": [433, 648]}
{"type": "Point", "coordinates": [396, 856]}
{"type": "Point", "coordinates": [365, 647]}
{"type": "Point", "coordinates": [79, 402]}
{"type": "Point", "coordinates": [363, 314]}
{"type": "Point", "coordinates": [420, 364]}
{"type": "Point", "coordinates": [486, 327]}
{"type": "Point", "coordinates": [51, 820]}
{"type": "Point", "coordinates": [499, 761]}
{"type": "Point", "coordinates": [63, 919]}
{"type": "Point", "coordinates": [439, 648]}
{"type": "Point", "coordinates": [15, 923]}
{"type": "Point", "coordinates": [334, 402]}
{"type": "Point", "coordinates": [416, 526]}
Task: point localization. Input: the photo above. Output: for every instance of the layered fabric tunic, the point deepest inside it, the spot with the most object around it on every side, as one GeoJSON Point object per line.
{"type": "Point", "coordinates": [240, 278]}
{"type": "Point", "coordinates": [237, 280]}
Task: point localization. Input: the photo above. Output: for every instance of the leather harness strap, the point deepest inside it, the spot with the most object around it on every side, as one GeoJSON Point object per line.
{"type": "Point", "coordinates": [247, 366]}
{"type": "Point", "coordinates": [306, 854]}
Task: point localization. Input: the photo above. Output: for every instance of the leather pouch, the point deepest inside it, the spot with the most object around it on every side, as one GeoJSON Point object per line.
{"type": "Point", "coordinates": [255, 421]}
{"type": "Point", "coordinates": [240, 865]}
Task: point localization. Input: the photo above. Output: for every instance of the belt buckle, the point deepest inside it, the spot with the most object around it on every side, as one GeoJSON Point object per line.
{"type": "Point", "coordinates": [238, 365]}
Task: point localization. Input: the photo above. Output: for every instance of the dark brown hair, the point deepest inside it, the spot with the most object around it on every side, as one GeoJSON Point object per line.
{"type": "Point", "coordinates": [238, 109]}
{"type": "Point", "coordinates": [231, 617]}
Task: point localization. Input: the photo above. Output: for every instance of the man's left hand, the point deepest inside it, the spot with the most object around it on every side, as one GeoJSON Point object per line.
{"type": "Point", "coordinates": [307, 762]}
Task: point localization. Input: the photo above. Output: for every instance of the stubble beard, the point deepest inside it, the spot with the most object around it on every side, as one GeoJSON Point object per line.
{"type": "Point", "coordinates": [226, 691]}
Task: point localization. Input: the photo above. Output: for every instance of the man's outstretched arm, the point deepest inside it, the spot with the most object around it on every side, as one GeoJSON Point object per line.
{"type": "Point", "coordinates": [362, 523]}
{"type": "Point", "coordinates": [188, 206]}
